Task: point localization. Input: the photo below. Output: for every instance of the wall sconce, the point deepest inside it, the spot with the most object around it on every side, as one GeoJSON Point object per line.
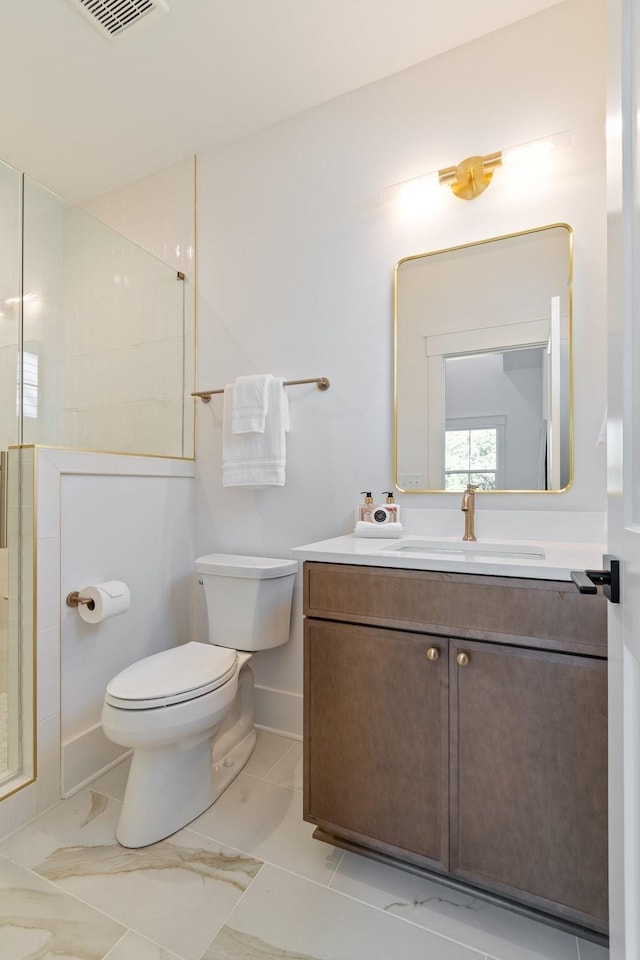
{"type": "Point", "coordinates": [472, 176]}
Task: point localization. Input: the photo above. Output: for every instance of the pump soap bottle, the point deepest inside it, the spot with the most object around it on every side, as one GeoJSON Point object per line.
{"type": "Point", "coordinates": [391, 506]}
{"type": "Point", "coordinates": [366, 508]}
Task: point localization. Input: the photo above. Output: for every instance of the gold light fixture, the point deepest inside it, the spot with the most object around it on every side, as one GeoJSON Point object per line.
{"type": "Point", "coordinates": [472, 176]}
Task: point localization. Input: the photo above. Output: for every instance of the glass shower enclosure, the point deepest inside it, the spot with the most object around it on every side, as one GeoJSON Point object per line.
{"type": "Point", "coordinates": [10, 312]}
{"type": "Point", "coordinates": [96, 353]}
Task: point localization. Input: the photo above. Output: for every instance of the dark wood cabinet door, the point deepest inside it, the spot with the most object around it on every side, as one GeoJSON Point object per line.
{"type": "Point", "coordinates": [376, 738]}
{"type": "Point", "coordinates": [529, 776]}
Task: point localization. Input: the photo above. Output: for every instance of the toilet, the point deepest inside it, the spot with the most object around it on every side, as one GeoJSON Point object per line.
{"type": "Point", "coordinates": [187, 713]}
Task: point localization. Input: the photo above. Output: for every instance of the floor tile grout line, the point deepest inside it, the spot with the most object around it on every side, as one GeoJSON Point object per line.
{"type": "Point", "coordinates": [74, 896]}
{"type": "Point", "coordinates": [232, 911]}
{"type": "Point", "coordinates": [126, 928]}
{"type": "Point", "coordinates": [276, 783]}
{"type": "Point", "coordinates": [60, 889]}
{"type": "Point", "coordinates": [265, 779]}
{"type": "Point", "coordinates": [221, 843]}
{"type": "Point", "coordinates": [113, 947]}
{"type": "Point", "coordinates": [143, 936]}
{"type": "Point", "coordinates": [104, 913]}
{"type": "Point", "coordinates": [338, 864]}
{"type": "Point", "coordinates": [285, 754]}
{"type": "Point", "coordinates": [326, 885]}
{"type": "Point", "coordinates": [393, 916]}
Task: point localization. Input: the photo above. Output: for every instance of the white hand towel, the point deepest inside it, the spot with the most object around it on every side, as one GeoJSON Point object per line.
{"type": "Point", "coordinates": [249, 405]}
{"type": "Point", "coordinates": [380, 531]}
{"type": "Point", "coordinates": [256, 459]}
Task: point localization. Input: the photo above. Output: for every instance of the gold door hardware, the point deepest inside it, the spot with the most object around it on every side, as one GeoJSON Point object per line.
{"type": "Point", "coordinates": [433, 653]}
{"type": "Point", "coordinates": [462, 659]}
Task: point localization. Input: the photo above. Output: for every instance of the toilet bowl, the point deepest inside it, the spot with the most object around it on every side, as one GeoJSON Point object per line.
{"type": "Point", "coordinates": [187, 713]}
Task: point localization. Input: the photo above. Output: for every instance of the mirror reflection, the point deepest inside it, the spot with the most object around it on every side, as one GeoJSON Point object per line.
{"type": "Point", "coordinates": [483, 365]}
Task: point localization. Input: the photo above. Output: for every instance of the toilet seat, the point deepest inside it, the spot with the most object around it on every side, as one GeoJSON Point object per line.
{"type": "Point", "coordinates": [172, 676]}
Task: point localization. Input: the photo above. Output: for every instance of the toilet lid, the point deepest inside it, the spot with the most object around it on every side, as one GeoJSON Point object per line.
{"type": "Point", "coordinates": [172, 676]}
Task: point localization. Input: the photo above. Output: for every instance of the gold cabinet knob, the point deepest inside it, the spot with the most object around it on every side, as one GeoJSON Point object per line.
{"type": "Point", "coordinates": [462, 659]}
{"type": "Point", "coordinates": [433, 653]}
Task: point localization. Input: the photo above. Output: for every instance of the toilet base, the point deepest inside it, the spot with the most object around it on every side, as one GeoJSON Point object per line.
{"type": "Point", "coordinates": [228, 769]}
{"type": "Point", "coordinates": [166, 789]}
{"type": "Point", "coordinates": [156, 804]}
{"type": "Point", "coordinates": [170, 785]}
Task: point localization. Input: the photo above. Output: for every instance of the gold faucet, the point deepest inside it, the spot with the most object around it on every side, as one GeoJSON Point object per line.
{"type": "Point", "coordinates": [468, 507]}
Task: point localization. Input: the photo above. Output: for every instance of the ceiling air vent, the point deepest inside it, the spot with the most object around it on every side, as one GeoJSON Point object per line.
{"type": "Point", "coordinates": [113, 17]}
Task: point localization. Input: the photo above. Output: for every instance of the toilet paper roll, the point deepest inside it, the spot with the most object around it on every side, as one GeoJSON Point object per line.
{"type": "Point", "coordinates": [109, 600]}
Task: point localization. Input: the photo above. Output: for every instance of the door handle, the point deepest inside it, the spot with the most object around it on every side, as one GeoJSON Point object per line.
{"type": "Point", "coordinates": [588, 581]}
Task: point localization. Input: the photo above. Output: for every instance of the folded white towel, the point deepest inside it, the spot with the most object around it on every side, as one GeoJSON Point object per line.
{"type": "Point", "coordinates": [249, 404]}
{"type": "Point", "coordinates": [380, 530]}
{"type": "Point", "coordinates": [256, 459]}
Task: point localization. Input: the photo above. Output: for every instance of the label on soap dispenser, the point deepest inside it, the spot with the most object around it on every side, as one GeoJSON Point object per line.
{"type": "Point", "coordinates": [381, 515]}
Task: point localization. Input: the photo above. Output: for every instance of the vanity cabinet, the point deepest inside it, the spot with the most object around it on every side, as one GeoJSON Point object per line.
{"type": "Point", "coordinates": [456, 725]}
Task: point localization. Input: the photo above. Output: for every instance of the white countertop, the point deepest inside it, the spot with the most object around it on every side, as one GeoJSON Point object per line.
{"type": "Point", "coordinates": [559, 557]}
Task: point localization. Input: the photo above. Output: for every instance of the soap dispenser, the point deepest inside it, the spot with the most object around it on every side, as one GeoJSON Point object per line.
{"type": "Point", "coordinates": [391, 506]}
{"type": "Point", "coordinates": [366, 508]}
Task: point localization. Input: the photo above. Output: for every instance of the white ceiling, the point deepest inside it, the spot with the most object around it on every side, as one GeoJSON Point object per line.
{"type": "Point", "coordinates": [83, 114]}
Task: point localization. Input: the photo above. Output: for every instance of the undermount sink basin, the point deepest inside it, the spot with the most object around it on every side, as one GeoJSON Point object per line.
{"type": "Point", "coordinates": [467, 549]}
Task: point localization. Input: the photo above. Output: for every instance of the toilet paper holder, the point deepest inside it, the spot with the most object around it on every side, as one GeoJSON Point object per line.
{"type": "Point", "coordinates": [74, 599]}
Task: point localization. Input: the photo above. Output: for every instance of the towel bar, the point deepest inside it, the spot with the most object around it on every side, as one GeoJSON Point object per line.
{"type": "Point", "coordinates": [322, 383]}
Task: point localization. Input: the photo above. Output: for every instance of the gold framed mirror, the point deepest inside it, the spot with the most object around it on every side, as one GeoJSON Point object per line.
{"type": "Point", "coordinates": [483, 365]}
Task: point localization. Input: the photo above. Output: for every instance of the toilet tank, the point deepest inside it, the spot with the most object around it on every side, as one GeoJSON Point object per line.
{"type": "Point", "coordinates": [248, 599]}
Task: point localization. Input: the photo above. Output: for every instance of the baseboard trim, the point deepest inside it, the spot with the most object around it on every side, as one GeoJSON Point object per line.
{"type": "Point", "coordinates": [278, 711]}
{"type": "Point", "coordinates": [86, 757]}
{"type": "Point", "coordinates": [91, 754]}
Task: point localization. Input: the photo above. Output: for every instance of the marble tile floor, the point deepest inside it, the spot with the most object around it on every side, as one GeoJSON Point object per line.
{"type": "Point", "coordinates": [245, 881]}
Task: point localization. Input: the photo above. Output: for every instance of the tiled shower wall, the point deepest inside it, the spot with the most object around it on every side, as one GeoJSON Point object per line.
{"type": "Point", "coordinates": [157, 212]}
{"type": "Point", "coordinates": [104, 322]}
{"type": "Point", "coordinates": [9, 290]}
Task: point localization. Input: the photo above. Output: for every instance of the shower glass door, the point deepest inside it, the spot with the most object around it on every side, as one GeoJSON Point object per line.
{"type": "Point", "coordinates": [10, 303]}
{"type": "Point", "coordinates": [96, 353]}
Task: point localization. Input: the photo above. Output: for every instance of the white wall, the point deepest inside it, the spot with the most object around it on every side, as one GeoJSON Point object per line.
{"type": "Point", "coordinates": [136, 526]}
{"type": "Point", "coordinates": [97, 516]}
{"type": "Point", "coordinates": [296, 252]}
